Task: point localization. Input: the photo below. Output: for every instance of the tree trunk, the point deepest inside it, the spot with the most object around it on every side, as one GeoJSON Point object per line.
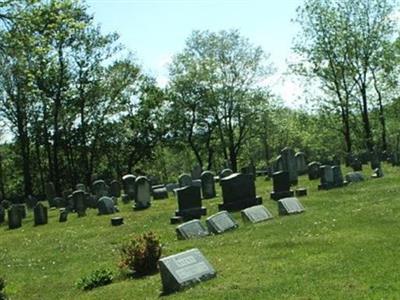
{"type": "Point", "coordinates": [367, 127]}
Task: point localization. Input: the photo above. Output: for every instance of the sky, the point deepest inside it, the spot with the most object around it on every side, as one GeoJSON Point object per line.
{"type": "Point", "coordinates": [155, 30]}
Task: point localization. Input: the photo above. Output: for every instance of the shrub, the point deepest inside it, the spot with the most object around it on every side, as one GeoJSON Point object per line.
{"type": "Point", "coordinates": [140, 255]}
{"type": "Point", "coordinates": [3, 296]}
{"type": "Point", "coordinates": [95, 279]}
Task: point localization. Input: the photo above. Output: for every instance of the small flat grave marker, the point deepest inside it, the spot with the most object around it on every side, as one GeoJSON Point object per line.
{"type": "Point", "coordinates": [288, 206]}
{"type": "Point", "coordinates": [256, 214]}
{"type": "Point", "coordinates": [191, 229]}
{"type": "Point", "coordinates": [184, 269]}
{"type": "Point", "coordinates": [221, 222]}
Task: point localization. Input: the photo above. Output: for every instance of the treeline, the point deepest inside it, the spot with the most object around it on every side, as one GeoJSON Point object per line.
{"type": "Point", "coordinates": [78, 106]}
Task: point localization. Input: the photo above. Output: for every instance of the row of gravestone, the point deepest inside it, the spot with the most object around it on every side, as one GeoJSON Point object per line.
{"type": "Point", "coordinates": [187, 268]}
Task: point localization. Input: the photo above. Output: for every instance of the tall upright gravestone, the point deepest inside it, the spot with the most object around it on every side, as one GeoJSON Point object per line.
{"type": "Point", "coordinates": [313, 170]}
{"type": "Point", "coordinates": [79, 200]}
{"type": "Point", "coordinates": [301, 163]}
{"type": "Point", "coordinates": [238, 192]}
{"type": "Point", "coordinates": [327, 180]}
{"type": "Point", "coordinates": [14, 217]}
{"type": "Point", "coordinates": [99, 189]}
{"type": "Point", "coordinates": [40, 214]}
{"type": "Point", "coordinates": [208, 185]}
{"type": "Point", "coordinates": [115, 189]}
{"type": "Point", "coordinates": [143, 193]}
{"type": "Point", "coordinates": [189, 204]}
{"type": "Point", "coordinates": [128, 182]}
{"type": "Point", "coordinates": [289, 164]}
{"type": "Point", "coordinates": [281, 186]}
{"type": "Point", "coordinates": [185, 180]}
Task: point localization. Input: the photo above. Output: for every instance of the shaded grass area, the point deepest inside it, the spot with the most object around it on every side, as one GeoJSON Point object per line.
{"type": "Point", "coordinates": [345, 246]}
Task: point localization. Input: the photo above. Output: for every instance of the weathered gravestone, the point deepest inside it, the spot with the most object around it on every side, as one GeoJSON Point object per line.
{"type": "Point", "coordinates": [196, 172]}
{"type": "Point", "coordinates": [378, 173]}
{"type": "Point", "coordinates": [159, 192]}
{"type": "Point", "coordinates": [281, 186]}
{"type": "Point", "coordinates": [14, 217]}
{"type": "Point", "coordinates": [115, 189]}
{"type": "Point", "coordinates": [99, 189]}
{"type": "Point", "coordinates": [80, 187]}
{"type": "Point", "coordinates": [256, 214]}
{"type": "Point", "coordinates": [128, 182]}
{"type": "Point", "coordinates": [143, 193]}
{"type": "Point", "coordinates": [225, 173]}
{"type": "Point", "coordinates": [184, 269]}
{"type": "Point", "coordinates": [208, 185]}
{"type": "Point", "coordinates": [40, 214]}
{"type": "Point", "coordinates": [79, 199]}
{"type": "Point", "coordinates": [63, 215]}
{"type": "Point", "coordinates": [278, 164]}
{"type": "Point", "coordinates": [313, 170]}
{"type": "Point", "coordinates": [238, 192]}
{"type": "Point", "coordinates": [117, 221]}
{"type": "Point", "coordinates": [185, 180]}
{"type": "Point", "coordinates": [289, 164]}
{"type": "Point", "coordinates": [326, 178]}
{"type": "Point", "coordinates": [354, 177]}
{"type": "Point", "coordinates": [221, 222]}
{"type": "Point", "coordinates": [288, 206]}
{"type": "Point", "coordinates": [196, 182]}
{"type": "Point", "coordinates": [337, 176]}
{"type": "Point", "coordinates": [301, 163]}
{"type": "Point", "coordinates": [191, 229]}
{"type": "Point", "coordinates": [249, 170]}
{"type": "Point", "coordinates": [189, 204]}
{"type": "Point", "coordinates": [105, 206]}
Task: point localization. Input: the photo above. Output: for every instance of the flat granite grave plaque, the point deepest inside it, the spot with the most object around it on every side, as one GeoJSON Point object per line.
{"type": "Point", "coordinates": [288, 206]}
{"type": "Point", "coordinates": [255, 214]}
{"type": "Point", "coordinates": [221, 222]}
{"type": "Point", "coordinates": [184, 269]}
{"type": "Point", "coordinates": [191, 229]}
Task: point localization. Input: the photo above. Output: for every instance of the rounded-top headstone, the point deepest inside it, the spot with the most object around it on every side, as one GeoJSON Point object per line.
{"type": "Point", "coordinates": [185, 180]}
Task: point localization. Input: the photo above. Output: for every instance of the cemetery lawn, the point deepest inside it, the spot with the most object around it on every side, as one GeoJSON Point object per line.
{"type": "Point", "coordinates": [345, 246]}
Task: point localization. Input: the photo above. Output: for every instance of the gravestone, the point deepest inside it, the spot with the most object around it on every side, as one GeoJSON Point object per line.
{"type": "Point", "coordinates": [225, 173]}
{"type": "Point", "coordinates": [378, 173]}
{"type": "Point", "coordinates": [79, 199]}
{"type": "Point", "coordinates": [196, 182]}
{"type": "Point", "coordinates": [337, 176]}
{"type": "Point", "coordinates": [40, 214]}
{"type": "Point", "coordinates": [63, 215]}
{"type": "Point", "coordinates": [313, 170]}
{"type": "Point", "coordinates": [288, 206]}
{"type": "Point", "coordinates": [2, 214]}
{"type": "Point", "coordinates": [208, 185]}
{"type": "Point", "coordinates": [105, 206]}
{"type": "Point", "coordinates": [191, 229]}
{"type": "Point", "coordinates": [221, 222]}
{"type": "Point", "coordinates": [160, 193]}
{"type": "Point", "coordinates": [238, 192]}
{"type": "Point", "coordinates": [80, 187]}
{"type": "Point", "coordinates": [249, 170]}
{"type": "Point", "coordinates": [281, 186]}
{"type": "Point", "coordinates": [115, 189]}
{"type": "Point", "coordinates": [117, 221]}
{"type": "Point", "coordinates": [31, 201]}
{"type": "Point", "coordinates": [128, 183]}
{"type": "Point", "coordinates": [300, 192]}
{"type": "Point", "coordinates": [278, 164]}
{"type": "Point", "coordinates": [301, 163]}
{"type": "Point", "coordinates": [14, 217]}
{"type": "Point", "coordinates": [189, 204]}
{"type": "Point", "coordinates": [356, 164]}
{"type": "Point", "coordinates": [289, 164]}
{"type": "Point", "coordinates": [183, 270]}
{"type": "Point", "coordinates": [99, 189]}
{"type": "Point", "coordinates": [326, 178]}
{"type": "Point", "coordinates": [196, 172]}
{"type": "Point", "coordinates": [256, 214]}
{"type": "Point", "coordinates": [354, 177]}
{"type": "Point", "coordinates": [171, 187]}
{"type": "Point", "coordinates": [375, 161]}
{"type": "Point", "coordinates": [143, 193]}
{"type": "Point", "coordinates": [185, 180]}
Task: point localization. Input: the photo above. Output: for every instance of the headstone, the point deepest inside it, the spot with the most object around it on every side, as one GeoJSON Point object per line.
{"type": "Point", "coordinates": [289, 164]}
{"type": "Point", "coordinates": [301, 163]}
{"type": "Point", "coordinates": [31, 201]}
{"type": "Point", "coordinates": [117, 221]}
{"type": "Point", "coordinates": [196, 182]}
{"type": "Point", "coordinates": [128, 182]}
{"type": "Point", "coordinates": [354, 177]}
{"type": "Point", "coordinates": [160, 193]}
{"type": "Point", "coordinates": [208, 185]}
{"type": "Point", "coordinates": [356, 164]}
{"type": "Point", "coordinates": [300, 192]}
{"type": "Point", "coordinates": [221, 222]}
{"type": "Point", "coordinates": [281, 186]}
{"type": "Point", "coordinates": [378, 173]}
{"type": "Point", "coordinates": [14, 217]}
{"type": "Point", "coordinates": [249, 170]}
{"type": "Point", "coordinates": [337, 176]}
{"type": "Point", "coordinates": [256, 214]}
{"type": "Point", "coordinates": [191, 229]}
{"type": "Point", "coordinates": [171, 187]}
{"type": "Point", "coordinates": [79, 206]}
{"type": "Point", "coordinates": [99, 188]}
{"type": "Point", "coordinates": [313, 170]}
{"type": "Point", "coordinates": [105, 206]}
{"type": "Point", "coordinates": [143, 193]}
{"type": "Point", "coordinates": [238, 192]}
{"type": "Point", "coordinates": [288, 206]}
{"type": "Point", "coordinates": [185, 180]}
{"type": "Point", "coordinates": [196, 172]}
{"type": "Point", "coordinates": [80, 187]}
{"type": "Point", "coordinates": [115, 189]}
{"type": "Point", "coordinates": [225, 173]}
{"type": "Point", "coordinates": [326, 178]}
{"type": "Point", "coordinates": [40, 214]}
{"type": "Point", "coordinates": [183, 270]}
{"type": "Point", "coordinates": [278, 164]}
{"type": "Point", "coordinates": [189, 204]}
{"type": "Point", "coordinates": [63, 215]}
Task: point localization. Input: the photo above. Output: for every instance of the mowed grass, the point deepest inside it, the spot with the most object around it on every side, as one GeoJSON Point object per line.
{"type": "Point", "coordinates": [345, 246]}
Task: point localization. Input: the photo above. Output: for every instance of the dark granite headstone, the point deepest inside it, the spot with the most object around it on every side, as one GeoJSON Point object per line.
{"type": "Point", "coordinates": [191, 229]}
{"type": "Point", "coordinates": [40, 214]}
{"type": "Point", "coordinates": [128, 182]}
{"type": "Point", "coordinates": [255, 214]}
{"type": "Point", "coordinates": [313, 170]}
{"type": "Point", "coordinates": [160, 193]}
{"type": "Point", "coordinates": [80, 187]}
{"type": "Point", "coordinates": [196, 172]}
{"type": "Point", "coordinates": [14, 217]}
{"type": "Point", "coordinates": [184, 180]}
{"type": "Point", "coordinates": [79, 199]}
{"type": "Point", "coordinates": [208, 185]}
{"type": "Point", "coordinates": [238, 192]}
{"type": "Point", "coordinates": [356, 164]}
{"type": "Point", "coordinates": [301, 163]}
{"type": "Point", "coordinates": [183, 270]}
{"type": "Point", "coordinates": [300, 192]}
{"type": "Point", "coordinates": [171, 187]}
{"type": "Point", "coordinates": [281, 186]}
{"type": "Point", "coordinates": [221, 222]}
{"type": "Point", "coordinates": [105, 205]}
{"type": "Point", "coordinates": [225, 173]}
{"type": "Point", "coordinates": [189, 204]}
{"type": "Point", "coordinates": [288, 206]}
{"type": "Point", "coordinates": [115, 189]}
{"type": "Point", "coordinates": [142, 193]}
{"type": "Point", "coordinates": [337, 176]}
{"type": "Point", "coordinates": [99, 188]}
{"type": "Point", "coordinates": [326, 178]}
{"type": "Point", "coordinates": [63, 215]}
{"type": "Point", "coordinates": [289, 164]}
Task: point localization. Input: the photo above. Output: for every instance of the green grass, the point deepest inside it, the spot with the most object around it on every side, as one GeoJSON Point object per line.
{"type": "Point", "coordinates": [345, 246]}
